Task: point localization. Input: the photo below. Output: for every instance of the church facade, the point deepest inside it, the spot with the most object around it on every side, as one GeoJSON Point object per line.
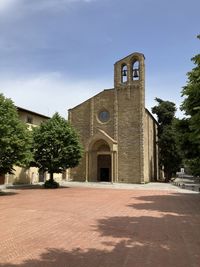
{"type": "Point", "coordinates": [117, 132]}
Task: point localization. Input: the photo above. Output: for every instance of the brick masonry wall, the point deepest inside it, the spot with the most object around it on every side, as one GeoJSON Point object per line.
{"type": "Point", "coordinates": [129, 135]}
{"type": "Point", "coordinates": [104, 101]}
{"type": "Point", "coordinates": [80, 119]}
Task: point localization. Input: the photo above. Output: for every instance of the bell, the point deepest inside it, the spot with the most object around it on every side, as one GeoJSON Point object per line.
{"type": "Point", "coordinates": [124, 72]}
{"type": "Point", "coordinates": [135, 73]}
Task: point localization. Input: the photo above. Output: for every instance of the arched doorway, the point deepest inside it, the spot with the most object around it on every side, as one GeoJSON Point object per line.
{"type": "Point", "coordinates": [101, 161]}
{"type": "Point", "coordinates": [104, 168]}
{"type": "Point", "coordinates": [100, 169]}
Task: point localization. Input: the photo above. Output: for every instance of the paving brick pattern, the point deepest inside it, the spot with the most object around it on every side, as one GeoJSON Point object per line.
{"type": "Point", "coordinates": [90, 227]}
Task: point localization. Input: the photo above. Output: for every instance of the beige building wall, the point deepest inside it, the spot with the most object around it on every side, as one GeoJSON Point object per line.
{"type": "Point", "coordinates": [150, 148]}
{"type": "Point", "coordinates": [31, 118]}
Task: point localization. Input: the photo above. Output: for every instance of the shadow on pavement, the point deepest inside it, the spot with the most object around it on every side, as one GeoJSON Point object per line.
{"type": "Point", "coordinates": [167, 234]}
{"type": "Point", "coordinates": [125, 253]}
{"type": "Point", "coordinates": [180, 204]}
{"type": "Point", "coordinates": [134, 241]}
{"type": "Point", "coordinates": [6, 193]}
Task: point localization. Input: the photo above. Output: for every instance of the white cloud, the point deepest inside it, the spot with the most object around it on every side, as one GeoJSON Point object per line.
{"type": "Point", "coordinates": [49, 92]}
{"type": "Point", "coordinates": [57, 4]}
{"type": "Point", "coordinates": [6, 4]}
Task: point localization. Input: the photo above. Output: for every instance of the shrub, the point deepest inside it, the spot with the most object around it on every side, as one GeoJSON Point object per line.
{"type": "Point", "coordinates": [51, 184]}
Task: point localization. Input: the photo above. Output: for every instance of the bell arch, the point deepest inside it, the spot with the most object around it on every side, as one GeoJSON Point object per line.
{"type": "Point", "coordinates": [124, 73]}
{"type": "Point", "coordinates": [135, 70]}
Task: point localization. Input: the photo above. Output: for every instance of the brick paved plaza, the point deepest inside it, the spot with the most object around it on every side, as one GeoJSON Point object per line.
{"type": "Point", "coordinates": [96, 227]}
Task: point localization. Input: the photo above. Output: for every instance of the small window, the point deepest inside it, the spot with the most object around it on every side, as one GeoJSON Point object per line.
{"type": "Point", "coordinates": [124, 74]}
{"type": "Point", "coordinates": [104, 116]}
{"type": "Point", "coordinates": [29, 119]}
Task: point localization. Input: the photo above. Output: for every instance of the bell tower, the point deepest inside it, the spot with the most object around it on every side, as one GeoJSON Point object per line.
{"type": "Point", "coordinates": [129, 109]}
{"type": "Point", "coordinates": [129, 70]}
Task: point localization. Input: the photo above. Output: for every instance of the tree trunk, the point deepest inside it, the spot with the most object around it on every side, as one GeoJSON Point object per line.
{"type": "Point", "coordinates": [168, 176]}
{"type": "Point", "coordinates": [51, 177]}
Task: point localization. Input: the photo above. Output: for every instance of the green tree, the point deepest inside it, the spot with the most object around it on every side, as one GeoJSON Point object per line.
{"type": "Point", "coordinates": [56, 146]}
{"type": "Point", "coordinates": [15, 139]}
{"type": "Point", "coordinates": [191, 107]}
{"type": "Point", "coordinates": [169, 156]}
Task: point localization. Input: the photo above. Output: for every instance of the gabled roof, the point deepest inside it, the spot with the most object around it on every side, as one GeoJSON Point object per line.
{"type": "Point", "coordinates": [91, 98]}
{"type": "Point", "coordinates": [32, 112]}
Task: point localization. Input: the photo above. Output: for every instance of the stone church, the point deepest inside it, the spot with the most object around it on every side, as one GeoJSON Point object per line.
{"type": "Point", "coordinates": [117, 132]}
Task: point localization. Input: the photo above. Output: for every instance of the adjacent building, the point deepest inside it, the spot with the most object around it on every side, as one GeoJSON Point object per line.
{"type": "Point", "coordinates": [26, 175]}
{"type": "Point", "coordinates": [29, 175]}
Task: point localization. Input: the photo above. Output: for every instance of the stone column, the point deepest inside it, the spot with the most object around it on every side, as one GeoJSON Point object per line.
{"type": "Point", "coordinates": [115, 116]}
{"type": "Point", "coordinates": [112, 166]}
{"type": "Point", "coordinates": [87, 166]}
{"type": "Point", "coordinates": [116, 166]}
{"type": "Point", "coordinates": [92, 117]}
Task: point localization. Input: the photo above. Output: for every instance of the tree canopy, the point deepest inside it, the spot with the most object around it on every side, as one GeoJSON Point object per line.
{"type": "Point", "coordinates": [169, 156]}
{"type": "Point", "coordinates": [15, 139]}
{"type": "Point", "coordinates": [191, 107]}
{"type": "Point", "coordinates": [56, 146]}
{"type": "Point", "coordinates": [165, 111]}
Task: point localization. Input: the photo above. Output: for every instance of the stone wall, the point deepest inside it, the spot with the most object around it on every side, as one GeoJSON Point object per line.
{"type": "Point", "coordinates": [79, 117]}
{"type": "Point", "coordinates": [129, 132]}
{"type": "Point", "coordinates": [150, 148]}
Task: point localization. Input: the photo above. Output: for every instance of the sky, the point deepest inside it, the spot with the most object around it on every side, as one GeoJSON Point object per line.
{"type": "Point", "coordinates": [55, 54]}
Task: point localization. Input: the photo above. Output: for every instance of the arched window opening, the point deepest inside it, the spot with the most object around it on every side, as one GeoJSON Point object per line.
{"type": "Point", "coordinates": [135, 71]}
{"type": "Point", "coordinates": [101, 145]}
{"type": "Point", "coordinates": [124, 74]}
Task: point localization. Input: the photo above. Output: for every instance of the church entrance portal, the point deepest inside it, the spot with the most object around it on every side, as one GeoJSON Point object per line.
{"type": "Point", "coordinates": [101, 159]}
{"type": "Point", "coordinates": [104, 168]}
